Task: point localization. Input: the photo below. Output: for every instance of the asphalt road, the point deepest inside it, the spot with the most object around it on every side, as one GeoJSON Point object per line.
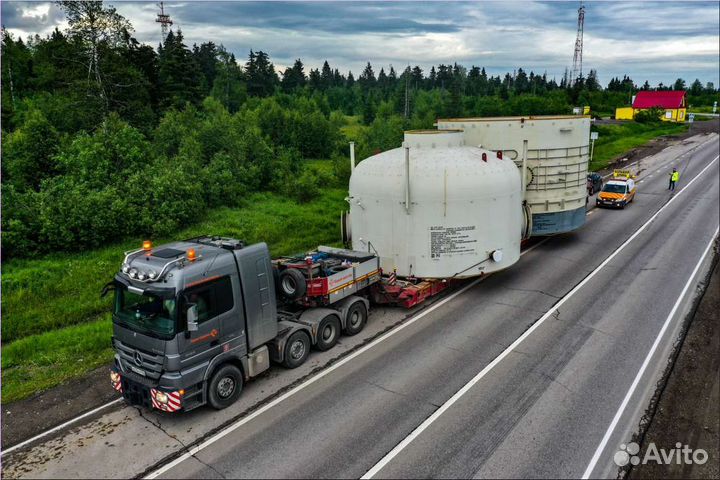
{"type": "Point", "coordinates": [540, 412]}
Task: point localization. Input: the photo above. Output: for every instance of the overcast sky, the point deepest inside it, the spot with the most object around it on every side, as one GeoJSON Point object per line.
{"type": "Point", "coordinates": [655, 41]}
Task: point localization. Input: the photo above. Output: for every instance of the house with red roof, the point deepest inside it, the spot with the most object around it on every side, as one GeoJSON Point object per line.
{"type": "Point", "coordinates": [672, 101]}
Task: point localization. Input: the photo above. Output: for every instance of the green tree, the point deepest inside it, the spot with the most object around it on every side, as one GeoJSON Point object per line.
{"type": "Point", "coordinates": [28, 153]}
{"type": "Point", "coordinates": [367, 78]}
{"type": "Point", "coordinates": [179, 76]}
{"type": "Point", "coordinates": [260, 73]}
{"type": "Point", "coordinates": [696, 88]}
{"type": "Point", "coordinates": [294, 77]}
{"type": "Point", "coordinates": [95, 25]}
{"type": "Point", "coordinates": [229, 85]}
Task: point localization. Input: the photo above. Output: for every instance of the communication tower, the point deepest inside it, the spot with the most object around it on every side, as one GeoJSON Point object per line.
{"type": "Point", "coordinates": [164, 20]}
{"type": "Point", "coordinates": [577, 58]}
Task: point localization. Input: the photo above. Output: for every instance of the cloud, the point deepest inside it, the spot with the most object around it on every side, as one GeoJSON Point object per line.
{"type": "Point", "coordinates": [658, 41]}
{"type": "Point", "coordinates": [31, 18]}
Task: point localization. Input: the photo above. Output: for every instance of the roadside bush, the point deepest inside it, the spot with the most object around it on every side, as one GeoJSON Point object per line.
{"type": "Point", "coordinates": [341, 170]}
{"type": "Point", "coordinates": [20, 222]}
{"type": "Point", "coordinates": [75, 215]}
{"type": "Point", "coordinates": [286, 166]}
{"type": "Point", "coordinates": [27, 153]}
{"type": "Point", "coordinates": [308, 185]}
{"type": "Point", "coordinates": [651, 115]}
{"type": "Point", "coordinates": [221, 182]}
{"type": "Point", "coordinates": [112, 183]}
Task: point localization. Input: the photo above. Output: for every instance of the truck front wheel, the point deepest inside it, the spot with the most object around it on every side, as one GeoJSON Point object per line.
{"type": "Point", "coordinates": [225, 386]}
{"type": "Point", "coordinates": [297, 350]}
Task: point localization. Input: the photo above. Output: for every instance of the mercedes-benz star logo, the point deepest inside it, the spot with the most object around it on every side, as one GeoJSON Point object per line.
{"type": "Point", "coordinates": [138, 359]}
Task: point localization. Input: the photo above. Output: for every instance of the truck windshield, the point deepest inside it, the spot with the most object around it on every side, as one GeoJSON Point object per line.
{"type": "Point", "coordinates": [612, 188]}
{"type": "Point", "coordinates": [145, 313]}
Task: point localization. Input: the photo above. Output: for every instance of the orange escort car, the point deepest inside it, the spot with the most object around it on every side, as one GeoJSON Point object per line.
{"type": "Point", "coordinates": [618, 192]}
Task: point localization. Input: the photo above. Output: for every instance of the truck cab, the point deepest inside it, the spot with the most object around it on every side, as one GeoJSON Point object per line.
{"type": "Point", "coordinates": [193, 320]}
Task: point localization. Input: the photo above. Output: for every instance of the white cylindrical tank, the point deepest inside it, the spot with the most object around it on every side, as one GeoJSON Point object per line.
{"type": "Point", "coordinates": [454, 215]}
{"type": "Point", "coordinates": [556, 163]}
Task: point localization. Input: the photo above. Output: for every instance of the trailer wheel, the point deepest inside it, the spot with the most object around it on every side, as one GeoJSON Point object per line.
{"type": "Point", "coordinates": [328, 332]}
{"type": "Point", "coordinates": [292, 283]}
{"type": "Point", "coordinates": [297, 349]}
{"type": "Point", "coordinates": [225, 386]}
{"type": "Point", "coordinates": [355, 319]}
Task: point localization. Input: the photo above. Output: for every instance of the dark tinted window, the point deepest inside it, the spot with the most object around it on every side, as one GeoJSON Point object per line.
{"type": "Point", "coordinates": [212, 298]}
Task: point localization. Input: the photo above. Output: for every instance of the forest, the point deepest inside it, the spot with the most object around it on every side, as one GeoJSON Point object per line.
{"type": "Point", "coordinates": [106, 138]}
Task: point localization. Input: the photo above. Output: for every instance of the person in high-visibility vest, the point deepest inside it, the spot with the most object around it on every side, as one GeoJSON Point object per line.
{"type": "Point", "coordinates": [674, 177]}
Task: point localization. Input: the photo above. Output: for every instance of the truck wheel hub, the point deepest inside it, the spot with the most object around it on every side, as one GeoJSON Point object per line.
{"type": "Point", "coordinates": [355, 319]}
{"type": "Point", "coordinates": [226, 387]}
{"type": "Point", "coordinates": [328, 333]}
{"type": "Point", "coordinates": [297, 350]}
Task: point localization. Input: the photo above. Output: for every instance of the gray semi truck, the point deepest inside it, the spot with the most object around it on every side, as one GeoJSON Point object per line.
{"type": "Point", "coordinates": [194, 320]}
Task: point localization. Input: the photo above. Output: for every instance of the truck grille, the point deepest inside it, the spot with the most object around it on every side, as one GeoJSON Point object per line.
{"type": "Point", "coordinates": [139, 362]}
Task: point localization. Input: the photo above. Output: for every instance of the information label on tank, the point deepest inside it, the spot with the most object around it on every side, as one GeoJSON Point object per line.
{"type": "Point", "coordinates": [452, 241]}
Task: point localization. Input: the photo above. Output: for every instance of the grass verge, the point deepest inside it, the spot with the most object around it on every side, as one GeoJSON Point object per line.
{"type": "Point", "coordinates": [56, 327]}
{"type": "Point", "coordinates": [616, 139]}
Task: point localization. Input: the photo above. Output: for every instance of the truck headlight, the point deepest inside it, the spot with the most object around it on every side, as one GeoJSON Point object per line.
{"type": "Point", "coordinates": [161, 397]}
{"type": "Point", "coordinates": [114, 377]}
{"type": "Point", "coordinates": [125, 268]}
{"type": "Point", "coordinates": [141, 276]}
{"type": "Point", "coordinates": [152, 274]}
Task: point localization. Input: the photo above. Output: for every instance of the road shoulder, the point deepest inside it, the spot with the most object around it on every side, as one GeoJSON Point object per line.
{"type": "Point", "coordinates": [687, 407]}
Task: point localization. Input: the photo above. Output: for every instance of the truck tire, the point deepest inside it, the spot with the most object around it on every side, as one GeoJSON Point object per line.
{"type": "Point", "coordinates": [292, 283]}
{"type": "Point", "coordinates": [355, 319]}
{"type": "Point", "coordinates": [297, 349]}
{"type": "Point", "coordinates": [225, 386]}
{"type": "Point", "coordinates": [328, 332]}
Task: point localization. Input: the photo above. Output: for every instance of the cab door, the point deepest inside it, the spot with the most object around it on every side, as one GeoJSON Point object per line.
{"type": "Point", "coordinates": [214, 302]}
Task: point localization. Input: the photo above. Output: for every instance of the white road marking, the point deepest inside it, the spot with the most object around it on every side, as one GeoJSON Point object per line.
{"type": "Point", "coordinates": [449, 403]}
{"type": "Point", "coordinates": [590, 212]}
{"type": "Point", "coordinates": [603, 443]}
{"type": "Point", "coordinates": [61, 426]}
{"type": "Point", "coordinates": [194, 450]}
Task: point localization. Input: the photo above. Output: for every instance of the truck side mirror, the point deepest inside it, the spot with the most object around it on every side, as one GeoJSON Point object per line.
{"type": "Point", "coordinates": [110, 286]}
{"type": "Point", "coordinates": [192, 318]}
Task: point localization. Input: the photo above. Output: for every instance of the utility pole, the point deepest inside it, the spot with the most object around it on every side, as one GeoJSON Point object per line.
{"type": "Point", "coordinates": [577, 58]}
{"type": "Point", "coordinates": [164, 20]}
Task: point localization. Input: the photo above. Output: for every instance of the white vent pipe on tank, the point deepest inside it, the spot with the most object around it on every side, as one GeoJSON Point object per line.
{"type": "Point", "coordinates": [352, 156]}
{"type": "Point", "coordinates": [524, 168]}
